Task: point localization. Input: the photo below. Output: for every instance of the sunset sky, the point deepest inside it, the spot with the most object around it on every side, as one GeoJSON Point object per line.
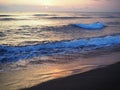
{"type": "Point", "coordinates": [60, 5]}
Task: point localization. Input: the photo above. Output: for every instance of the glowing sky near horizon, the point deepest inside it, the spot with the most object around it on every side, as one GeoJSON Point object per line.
{"type": "Point", "coordinates": [80, 5]}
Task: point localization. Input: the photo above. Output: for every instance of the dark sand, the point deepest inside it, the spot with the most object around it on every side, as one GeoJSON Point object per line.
{"type": "Point", "coordinates": [106, 78]}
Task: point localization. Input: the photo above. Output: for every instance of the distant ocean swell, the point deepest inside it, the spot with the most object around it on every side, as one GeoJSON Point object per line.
{"type": "Point", "coordinates": [8, 17]}
{"type": "Point", "coordinates": [15, 53]}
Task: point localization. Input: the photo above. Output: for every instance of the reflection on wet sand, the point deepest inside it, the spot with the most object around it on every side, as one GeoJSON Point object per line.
{"type": "Point", "coordinates": [36, 74]}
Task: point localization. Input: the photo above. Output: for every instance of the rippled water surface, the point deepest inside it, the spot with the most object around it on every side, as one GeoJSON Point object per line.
{"type": "Point", "coordinates": [39, 46]}
{"type": "Point", "coordinates": [34, 28]}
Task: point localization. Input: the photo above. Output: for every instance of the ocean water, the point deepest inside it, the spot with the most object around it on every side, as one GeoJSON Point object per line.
{"type": "Point", "coordinates": [39, 46]}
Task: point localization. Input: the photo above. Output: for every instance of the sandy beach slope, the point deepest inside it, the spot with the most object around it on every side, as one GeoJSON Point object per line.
{"type": "Point", "coordinates": [107, 78]}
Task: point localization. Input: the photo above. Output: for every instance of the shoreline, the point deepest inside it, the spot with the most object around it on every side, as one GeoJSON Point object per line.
{"type": "Point", "coordinates": [105, 78]}
{"type": "Point", "coordinates": [74, 65]}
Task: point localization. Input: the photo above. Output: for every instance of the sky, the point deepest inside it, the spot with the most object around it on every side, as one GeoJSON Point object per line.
{"type": "Point", "coordinates": [61, 5]}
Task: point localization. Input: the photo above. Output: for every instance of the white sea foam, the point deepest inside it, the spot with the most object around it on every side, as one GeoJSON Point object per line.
{"type": "Point", "coordinates": [14, 53]}
{"type": "Point", "coordinates": [93, 26]}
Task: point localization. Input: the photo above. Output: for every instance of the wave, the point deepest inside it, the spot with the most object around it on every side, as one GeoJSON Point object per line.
{"type": "Point", "coordinates": [15, 53]}
{"type": "Point", "coordinates": [80, 17]}
{"type": "Point", "coordinates": [110, 17]}
{"type": "Point", "coordinates": [5, 15]}
{"type": "Point", "coordinates": [91, 26]}
{"type": "Point", "coordinates": [2, 34]}
{"type": "Point", "coordinates": [10, 19]}
{"type": "Point", "coordinates": [44, 15]}
{"type": "Point", "coordinates": [69, 17]}
{"type": "Point", "coordinates": [113, 23]}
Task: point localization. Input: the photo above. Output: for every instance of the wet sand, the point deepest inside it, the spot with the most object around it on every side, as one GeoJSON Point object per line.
{"type": "Point", "coordinates": [68, 72]}
{"type": "Point", "coordinates": [106, 78]}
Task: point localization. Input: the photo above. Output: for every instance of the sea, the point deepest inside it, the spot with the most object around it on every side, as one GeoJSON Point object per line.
{"type": "Point", "coordinates": [36, 47]}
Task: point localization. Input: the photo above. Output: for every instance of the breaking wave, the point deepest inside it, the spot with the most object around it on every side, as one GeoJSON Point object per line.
{"type": "Point", "coordinates": [15, 53]}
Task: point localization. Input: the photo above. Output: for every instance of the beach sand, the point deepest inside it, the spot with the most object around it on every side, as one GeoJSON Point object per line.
{"type": "Point", "coordinates": [106, 78]}
{"type": "Point", "coordinates": [94, 70]}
